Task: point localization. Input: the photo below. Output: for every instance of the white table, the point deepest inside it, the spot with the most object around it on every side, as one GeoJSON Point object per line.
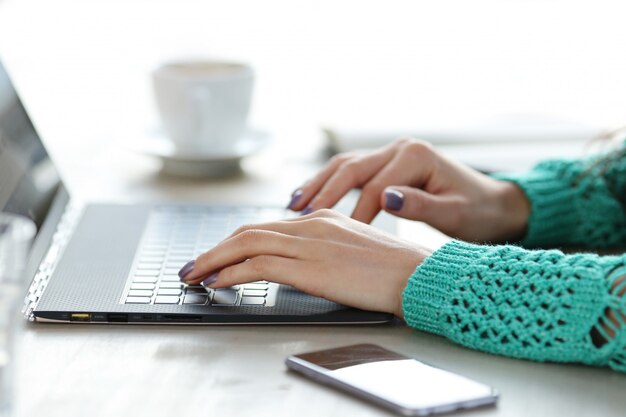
{"type": "Point", "coordinates": [89, 94]}
{"type": "Point", "coordinates": [102, 370]}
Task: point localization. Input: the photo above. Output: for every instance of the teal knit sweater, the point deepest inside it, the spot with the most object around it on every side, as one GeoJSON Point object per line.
{"type": "Point", "coordinates": [538, 304]}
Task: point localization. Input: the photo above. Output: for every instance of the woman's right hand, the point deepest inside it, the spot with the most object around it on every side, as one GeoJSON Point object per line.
{"type": "Point", "coordinates": [410, 179]}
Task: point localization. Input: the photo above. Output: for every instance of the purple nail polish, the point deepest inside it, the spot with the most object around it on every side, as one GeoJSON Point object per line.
{"type": "Point", "coordinates": [394, 199]}
{"type": "Point", "coordinates": [308, 209]}
{"type": "Point", "coordinates": [210, 280]}
{"type": "Point", "coordinates": [295, 197]}
{"type": "Point", "coordinates": [185, 270]}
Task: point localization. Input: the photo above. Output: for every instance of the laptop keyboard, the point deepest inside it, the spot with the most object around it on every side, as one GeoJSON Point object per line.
{"type": "Point", "coordinates": [176, 235]}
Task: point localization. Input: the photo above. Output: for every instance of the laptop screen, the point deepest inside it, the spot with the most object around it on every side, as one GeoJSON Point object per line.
{"type": "Point", "coordinates": [28, 179]}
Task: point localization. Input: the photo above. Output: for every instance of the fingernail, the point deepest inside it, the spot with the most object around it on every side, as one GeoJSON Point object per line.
{"type": "Point", "coordinates": [394, 199]}
{"type": "Point", "coordinates": [308, 209]}
{"type": "Point", "coordinates": [210, 280]}
{"type": "Point", "coordinates": [185, 270]}
{"type": "Point", "coordinates": [294, 198]}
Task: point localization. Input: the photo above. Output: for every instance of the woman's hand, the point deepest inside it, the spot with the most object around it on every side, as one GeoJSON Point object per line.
{"type": "Point", "coordinates": [410, 179]}
{"type": "Point", "coordinates": [324, 254]}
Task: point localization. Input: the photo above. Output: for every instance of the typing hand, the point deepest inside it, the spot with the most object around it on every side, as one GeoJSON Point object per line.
{"type": "Point", "coordinates": [324, 254]}
{"type": "Point", "coordinates": [410, 179]}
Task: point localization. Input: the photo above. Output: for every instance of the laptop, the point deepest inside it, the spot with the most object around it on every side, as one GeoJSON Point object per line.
{"type": "Point", "coordinates": [107, 263]}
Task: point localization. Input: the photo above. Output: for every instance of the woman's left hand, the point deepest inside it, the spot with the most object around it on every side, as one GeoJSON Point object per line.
{"type": "Point", "coordinates": [324, 254]}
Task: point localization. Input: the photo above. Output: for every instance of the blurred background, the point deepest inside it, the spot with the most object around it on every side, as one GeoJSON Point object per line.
{"type": "Point", "coordinates": [83, 66]}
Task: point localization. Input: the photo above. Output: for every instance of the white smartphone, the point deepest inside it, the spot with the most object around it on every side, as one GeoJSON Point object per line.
{"type": "Point", "coordinates": [402, 384]}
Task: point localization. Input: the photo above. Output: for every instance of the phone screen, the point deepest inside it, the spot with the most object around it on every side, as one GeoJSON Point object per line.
{"type": "Point", "coordinates": [404, 384]}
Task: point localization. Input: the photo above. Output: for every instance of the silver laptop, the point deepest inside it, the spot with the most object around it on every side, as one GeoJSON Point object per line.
{"type": "Point", "coordinates": [119, 263]}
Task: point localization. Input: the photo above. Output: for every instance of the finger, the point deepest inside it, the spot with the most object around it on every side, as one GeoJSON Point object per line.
{"type": "Point", "coordinates": [286, 226]}
{"type": "Point", "coordinates": [400, 170]}
{"type": "Point", "coordinates": [352, 174]}
{"type": "Point", "coordinates": [239, 248]}
{"type": "Point", "coordinates": [264, 267]}
{"type": "Point", "coordinates": [301, 197]}
{"type": "Point", "coordinates": [412, 203]}
{"type": "Point", "coordinates": [313, 225]}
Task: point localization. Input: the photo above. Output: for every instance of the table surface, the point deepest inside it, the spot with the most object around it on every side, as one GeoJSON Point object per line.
{"type": "Point", "coordinates": [105, 370]}
{"type": "Point", "coordinates": [112, 370]}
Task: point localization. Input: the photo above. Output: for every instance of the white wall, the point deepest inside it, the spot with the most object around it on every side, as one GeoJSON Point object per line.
{"type": "Point", "coordinates": [379, 63]}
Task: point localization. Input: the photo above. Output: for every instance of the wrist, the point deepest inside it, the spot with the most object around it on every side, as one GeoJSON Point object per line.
{"type": "Point", "coordinates": [515, 208]}
{"type": "Point", "coordinates": [419, 256]}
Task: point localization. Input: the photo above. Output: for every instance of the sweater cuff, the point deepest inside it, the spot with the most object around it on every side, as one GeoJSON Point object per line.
{"type": "Point", "coordinates": [553, 215]}
{"type": "Point", "coordinates": [426, 298]}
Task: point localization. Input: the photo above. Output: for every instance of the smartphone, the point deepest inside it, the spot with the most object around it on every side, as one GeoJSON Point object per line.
{"type": "Point", "coordinates": [402, 384]}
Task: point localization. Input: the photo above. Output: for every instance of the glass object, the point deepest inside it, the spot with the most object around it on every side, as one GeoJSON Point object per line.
{"type": "Point", "coordinates": [16, 234]}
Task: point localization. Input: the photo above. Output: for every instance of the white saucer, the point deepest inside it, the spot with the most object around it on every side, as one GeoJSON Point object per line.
{"type": "Point", "coordinates": [201, 164]}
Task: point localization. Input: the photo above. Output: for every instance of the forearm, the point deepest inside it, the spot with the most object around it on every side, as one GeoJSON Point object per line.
{"type": "Point", "coordinates": [540, 305]}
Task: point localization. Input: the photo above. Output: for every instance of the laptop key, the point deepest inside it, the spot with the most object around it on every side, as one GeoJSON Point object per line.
{"type": "Point", "coordinates": [137, 300]}
{"type": "Point", "coordinates": [170, 278]}
{"type": "Point", "coordinates": [182, 247]}
{"type": "Point", "coordinates": [249, 301]}
{"type": "Point", "coordinates": [169, 291]}
{"type": "Point", "coordinates": [142, 286]}
{"type": "Point", "coordinates": [254, 293]}
{"type": "Point", "coordinates": [148, 266]}
{"type": "Point", "coordinates": [225, 296]}
{"type": "Point", "coordinates": [196, 299]}
{"type": "Point", "coordinates": [177, 285]}
{"type": "Point", "coordinates": [195, 290]}
{"type": "Point", "coordinates": [180, 253]}
{"type": "Point", "coordinates": [140, 293]}
{"type": "Point", "coordinates": [145, 279]}
{"type": "Point", "coordinates": [166, 299]}
{"type": "Point", "coordinates": [256, 286]}
{"type": "Point", "coordinates": [179, 258]}
{"type": "Point", "coordinates": [147, 273]}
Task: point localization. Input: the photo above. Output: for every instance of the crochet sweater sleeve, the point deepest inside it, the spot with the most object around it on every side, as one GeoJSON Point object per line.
{"type": "Point", "coordinates": [537, 304]}
{"type": "Point", "coordinates": [534, 304]}
{"type": "Point", "coordinates": [576, 202]}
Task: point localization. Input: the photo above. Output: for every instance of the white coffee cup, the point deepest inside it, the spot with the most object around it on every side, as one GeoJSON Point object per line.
{"type": "Point", "coordinates": [204, 105]}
